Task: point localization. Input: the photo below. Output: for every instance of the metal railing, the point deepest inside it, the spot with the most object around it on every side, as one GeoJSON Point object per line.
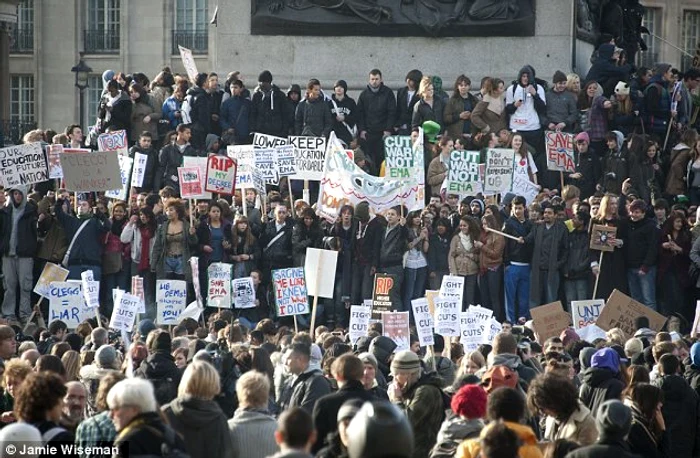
{"type": "Point", "coordinates": [12, 130]}
{"type": "Point", "coordinates": [197, 42]}
{"type": "Point", "coordinates": [101, 41]}
{"type": "Point", "coordinates": [22, 41]}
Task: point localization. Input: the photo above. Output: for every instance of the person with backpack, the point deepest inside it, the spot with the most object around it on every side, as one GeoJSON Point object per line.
{"type": "Point", "coordinates": [159, 368]}
{"type": "Point", "coordinates": [525, 100]}
{"type": "Point", "coordinates": [657, 101]}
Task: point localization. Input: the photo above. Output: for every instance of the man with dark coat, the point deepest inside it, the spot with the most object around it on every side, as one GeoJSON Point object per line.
{"type": "Point", "coordinates": [344, 113]}
{"type": "Point", "coordinates": [376, 109]}
{"type": "Point", "coordinates": [313, 116]}
{"type": "Point", "coordinates": [171, 157]}
{"type": "Point", "coordinates": [406, 98]}
{"type": "Point", "coordinates": [365, 252]}
{"type": "Point", "coordinates": [276, 240]}
{"type": "Point", "coordinates": [307, 384]}
{"type": "Point", "coordinates": [200, 111]}
{"type": "Point", "coordinates": [270, 111]}
{"type": "Point", "coordinates": [382, 348]}
{"type": "Point", "coordinates": [159, 367]}
{"type": "Point", "coordinates": [600, 381]}
{"type": "Point", "coordinates": [588, 170]}
{"type": "Point", "coordinates": [505, 353]}
{"type": "Point", "coordinates": [640, 248]}
{"type": "Point", "coordinates": [606, 71]}
{"type": "Point", "coordinates": [145, 147]}
{"type": "Point", "coordinates": [347, 370]}
{"type": "Point", "coordinates": [614, 421]}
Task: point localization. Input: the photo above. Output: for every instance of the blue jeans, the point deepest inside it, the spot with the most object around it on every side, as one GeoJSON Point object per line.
{"type": "Point", "coordinates": [174, 265]}
{"type": "Point", "coordinates": [643, 287]}
{"type": "Point", "coordinates": [577, 290]}
{"type": "Point", "coordinates": [414, 285]}
{"type": "Point", "coordinates": [517, 280]}
{"type": "Point", "coordinates": [549, 291]}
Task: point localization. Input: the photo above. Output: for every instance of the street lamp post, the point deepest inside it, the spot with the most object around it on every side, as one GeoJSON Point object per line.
{"type": "Point", "coordinates": [82, 72]}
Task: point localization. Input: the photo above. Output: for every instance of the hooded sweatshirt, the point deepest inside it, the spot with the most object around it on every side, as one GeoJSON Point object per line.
{"type": "Point", "coordinates": [17, 213]}
{"type": "Point", "coordinates": [525, 117]}
{"type": "Point", "coordinates": [692, 368]}
{"type": "Point", "coordinates": [19, 226]}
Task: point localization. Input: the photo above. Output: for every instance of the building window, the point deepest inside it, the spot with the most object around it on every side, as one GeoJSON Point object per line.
{"type": "Point", "coordinates": [190, 28]}
{"type": "Point", "coordinates": [92, 99]}
{"type": "Point", "coordinates": [652, 20]}
{"type": "Point", "coordinates": [23, 34]}
{"type": "Point", "coordinates": [22, 98]}
{"type": "Point", "coordinates": [102, 31]}
{"type": "Point", "coordinates": [690, 36]}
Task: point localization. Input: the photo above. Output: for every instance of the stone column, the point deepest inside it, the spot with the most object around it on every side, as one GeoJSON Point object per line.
{"type": "Point", "coordinates": [8, 22]}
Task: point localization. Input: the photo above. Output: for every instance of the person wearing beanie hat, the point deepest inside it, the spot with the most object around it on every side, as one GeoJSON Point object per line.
{"type": "Point", "coordinates": [622, 88]}
{"type": "Point", "coordinates": [640, 250]}
{"type": "Point", "coordinates": [585, 357]}
{"type": "Point", "coordinates": [582, 137]}
{"type": "Point", "coordinates": [562, 112]}
{"type": "Point", "coordinates": [265, 77]}
{"type": "Point", "coordinates": [601, 381]}
{"type": "Point", "coordinates": [380, 429]}
{"type": "Point", "coordinates": [587, 166]}
{"type": "Point", "coordinates": [613, 421]}
{"type": "Point", "coordinates": [159, 367]}
{"type": "Point", "coordinates": [344, 113]}
{"type": "Point", "coordinates": [419, 395]}
{"type": "Point", "coordinates": [145, 327]}
{"type": "Point", "coordinates": [338, 441]}
{"type": "Point", "coordinates": [606, 71]}
{"type": "Point", "coordinates": [657, 101]}
{"type": "Point", "coordinates": [270, 111]}
{"type": "Point", "coordinates": [431, 129]}
{"type": "Point", "coordinates": [633, 347]}
{"type": "Point", "coordinates": [371, 375]}
{"type": "Point", "coordinates": [469, 407]}
{"type": "Point", "coordinates": [406, 99]}
{"type": "Point", "coordinates": [477, 207]}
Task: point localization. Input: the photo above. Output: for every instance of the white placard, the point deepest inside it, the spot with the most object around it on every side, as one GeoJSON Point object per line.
{"type": "Point", "coordinates": [139, 170]}
{"type": "Point", "coordinates": [585, 313]}
{"type": "Point", "coordinates": [171, 297]}
{"type": "Point", "coordinates": [66, 303]}
{"type": "Point", "coordinates": [319, 270]}
{"type": "Point", "coordinates": [447, 322]}
{"type": "Point", "coordinates": [243, 291]}
{"type": "Point", "coordinates": [22, 165]}
{"type": "Point", "coordinates": [125, 165]}
{"type": "Point", "coordinates": [424, 322]}
{"type": "Point", "coordinates": [124, 312]}
{"type": "Point", "coordinates": [219, 286]}
{"type": "Point", "coordinates": [359, 321]}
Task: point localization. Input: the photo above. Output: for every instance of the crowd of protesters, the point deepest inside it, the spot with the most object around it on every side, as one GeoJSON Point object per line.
{"type": "Point", "coordinates": [243, 384]}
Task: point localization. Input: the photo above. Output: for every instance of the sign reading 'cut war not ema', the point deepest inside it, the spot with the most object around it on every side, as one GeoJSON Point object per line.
{"type": "Point", "coordinates": [290, 291]}
{"type": "Point", "coordinates": [560, 151]}
{"type": "Point", "coordinates": [398, 151]}
{"type": "Point", "coordinates": [310, 155]}
{"type": "Point", "coordinates": [463, 174]}
{"type": "Point", "coordinates": [221, 175]}
{"type": "Point", "coordinates": [23, 165]}
{"type": "Point", "coordinates": [171, 297]}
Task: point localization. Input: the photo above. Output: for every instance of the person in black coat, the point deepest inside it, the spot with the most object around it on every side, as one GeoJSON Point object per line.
{"type": "Point", "coordinates": [344, 113]}
{"type": "Point", "coordinates": [171, 157]}
{"type": "Point", "coordinates": [270, 111]}
{"type": "Point", "coordinates": [200, 111]}
{"type": "Point", "coordinates": [406, 99]}
{"type": "Point", "coordinates": [145, 147]}
{"type": "Point", "coordinates": [614, 421]}
{"type": "Point", "coordinates": [606, 71]}
{"type": "Point", "coordinates": [600, 381]}
{"type": "Point", "coordinates": [159, 367]}
{"type": "Point", "coordinates": [588, 168]}
{"type": "Point", "coordinates": [305, 234]}
{"type": "Point", "coordinates": [347, 370]}
{"type": "Point", "coordinates": [115, 109]}
{"type": "Point", "coordinates": [376, 109]}
{"type": "Point", "coordinates": [313, 117]}
{"type": "Point", "coordinates": [276, 240]}
{"type": "Point", "coordinates": [648, 435]}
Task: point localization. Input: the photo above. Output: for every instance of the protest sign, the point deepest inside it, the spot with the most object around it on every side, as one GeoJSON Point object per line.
{"type": "Point", "coordinates": [398, 152]}
{"type": "Point", "coordinates": [602, 236]}
{"type": "Point", "coordinates": [381, 295]}
{"type": "Point", "coordinates": [259, 183]}
{"type": "Point", "coordinates": [463, 176]}
{"type": "Point", "coordinates": [266, 163]}
{"type": "Point", "coordinates": [431, 296]}
{"type": "Point", "coordinates": [66, 303]}
{"type": "Point", "coordinates": [621, 311]}
{"type": "Point", "coordinates": [286, 160]}
{"type": "Point", "coordinates": [395, 327]}
{"type": "Point", "coordinates": [125, 165]}
{"type": "Point", "coordinates": [268, 141]}
{"type": "Point", "coordinates": [243, 293]}
{"type": "Point", "coordinates": [138, 172]}
{"type": "Point", "coordinates": [22, 165]}
{"type": "Point", "coordinates": [221, 175]}
{"type": "Point", "coordinates": [494, 328]}
{"type": "Point", "coordinates": [590, 333]}
{"type": "Point", "coordinates": [290, 291]}
{"type": "Point", "coordinates": [91, 289]}
{"type": "Point", "coordinates": [188, 63]}
{"type": "Point", "coordinates": [51, 273]}
{"type": "Point", "coordinates": [359, 322]}
{"type": "Point", "coordinates": [97, 171]}
{"type": "Point", "coordinates": [201, 163]}
{"type": "Point", "coordinates": [499, 170]}
{"type": "Point", "coordinates": [113, 141]}
{"type": "Point", "coordinates": [524, 187]}
{"type": "Point", "coordinates": [124, 312]}
{"type": "Point", "coordinates": [53, 158]}
{"type": "Point", "coordinates": [696, 322]}
{"type": "Point", "coordinates": [219, 286]}
{"type": "Point", "coordinates": [549, 320]}
{"type": "Point", "coordinates": [447, 311]}
{"type": "Point", "coordinates": [472, 330]}
{"type": "Point", "coordinates": [320, 272]}
{"type": "Point", "coordinates": [309, 157]}
{"type": "Point", "coordinates": [137, 290]}
{"type": "Point", "coordinates": [560, 151]}
{"type": "Point", "coordinates": [453, 286]}
{"type": "Point", "coordinates": [345, 183]}
{"type": "Point", "coordinates": [191, 311]}
{"type": "Point", "coordinates": [245, 158]}
{"type": "Point", "coordinates": [424, 322]}
{"type": "Point", "coordinates": [171, 297]}
{"type": "Point", "coordinates": [190, 182]}
{"type": "Point", "coordinates": [584, 313]}
{"type": "Point", "coordinates": [194, 266]}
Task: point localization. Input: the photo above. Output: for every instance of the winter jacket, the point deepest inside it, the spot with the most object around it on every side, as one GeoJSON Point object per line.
{"type": "Point", "coordinates": [376, 110]}
{"type": "Point", "coordinates": [515, 251]}
{"type": "Point", "coordinates": [369, 242]}
{"type": "Point", "coordinates": [87, 249]}
{"type": "Point", "coordinates": [171, 106]}
{"type": "Point", "coordinates": [149, 173]}
{"type": "Point", "coordinates": [201, 109]}
{"type": "Point", "coordinates": [676, 179]}
{"type": "Point", "coordinates": [525, 374]}
{"type": "Point", "coordinates": [642, 440]}
{"type": "Point", "coordinates": [589, 168]}
{"type": "Point", "coordinates": [144, 436]}
{"type": "Point", "coordinates": [692, 375]}
{"type": "Point", "coordinates": [382, 348]}
{"type": "Point", "coordinates": [487, 118]}
{"type": "Point", "coordinates": [471, 448]}
{"type": "Point", "coordinates": [453, 124]}
{"type": "Point", "coordinates": [54, 244]}
{"type": "Point", "coordinates": [606, 71]}
{"type": "Point", "coordinates": [597, 120]}
{"type": "Point", "coordinates": [615, 171]}
{"type": "Point", "coordinates": [159, 249]}
{"type": "Point", "coordinates": [461, 261]}
{"type": "Point", "coordinates": [437, 171]}
{"type": "Point", "coordinates": [561, 107]}
{"type": "Point", "coordinates": [681, 411]}
{"type": "Point", "coordinates": [557, 256]}
{"type": "Point", "coordinates": [579, 427]}
{"type": "Point", "coordinates": [346, 131]}
{"type": "Point", "coordinates": [253, 434]}
{"type": "Point", "coordinates": [279, 254]}
{"type": "Point", "coordinates": [657, 106]}
{"type": "Point", "coordinates": [677, 263]}
{"type": "Point", "coordinates": [526, 117]}
{"type": "Point", "coordinates": [313, 118]}
{"type": "Point", "coordinates": [235, 114]}
{"type": "Point", "coordinates": [647, 181]}
{"type": "Point", "coordinates": [626, 123]}
{"type": "Point", "coordinates": [27, 229]}
{"type": "Point", "coordinates": [491, 253]}
{"type": "Point", "coordinates": [132, 234]}
{"type": "Point", "coordinates": [270, 112]}
{"type": "Point", "coordinates": [578, 265]}
{"type": "Point", "coordinates": [424, 406]}
{"type": "Point", "coordinates": [306, 389]}
{"type": "Point", "coordinates": [120, 115]}
{"type": "Point", "coordinates": [599, 385]}
{"type": "Point", "coordinates": [393, 246]}
{"type": "Point", "coordinates": [169, 159]}
{"type": "Point", "coordinates": [404, 108]}
{"type": "Point", "coordinates": [422, 112]}
{"type": "Point", "coordinates": [159, 368]}
{"type": "Point", "coordinates": [202, 425]}
{"type": "Point", "coordinates": [453, 432]}
{"type": "Point", "coordinates": [139, 111]}
{"type": "Point", "coordinates": [204, 238]}
{"type": "Point", "coordinates": [438, 252]}
{"type": "Point", "coordinates": [640, 243]}
{"type": "Point", "coordinates": [304, 237]}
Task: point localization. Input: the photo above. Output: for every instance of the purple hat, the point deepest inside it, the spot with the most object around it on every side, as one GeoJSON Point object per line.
{"type": "Point", "coordinates": [606, 358]}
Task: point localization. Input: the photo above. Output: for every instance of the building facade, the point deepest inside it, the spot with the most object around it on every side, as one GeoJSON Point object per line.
{"type": "Point", "coordinates": [50, 36]}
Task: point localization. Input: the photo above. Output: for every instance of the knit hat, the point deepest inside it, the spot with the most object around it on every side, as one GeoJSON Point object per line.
{"type": "Point", "coordinates": [622, 88]}
{"type": "Point", "coordinates": [469, 402]}
{"type": "Point", "coordinates": [614, 419]}
{"type": "Point", "coordinates": [145, 327]}
{"type": "Point", "coordinates": [661, 69]}
{"type": "Point", "coordinates": [695, 354]}
{"type": "Point", "coordinates": [559, 77]}
{"type": "Point", "coordinates": [368, 358]}
{"type": "Point", "coordinates": [349, 409]}
{"type": "Point", "coordinates": [380, 422]}
{"type": "Point", "coordinates": [507, 199]}
{"type": "Point", "coordinates": [431, 129]}
{"type": "Point", "coordinates": [568, 335]}
{"type": "Point", "coordinates": [585, 357]}
{"type": "Point", "coordinates": [498, 376]}
{"type": "Point", "coordinates": [606, 358]}
{"type": "Point", "coordinates": [633, 347]}
{"type": "Point", "coordinates": [480, 203]}
{"type": "Point", "coordinates": [638, 205]}
{"type": "Point", "coordinates": [106, 357]}
{"type": "Point", "coordinates": [405, 361]}
{"type": "Point", "coordinates": [362, 211]}
{"type": "Point", "coordinates": [162, 342]}
{"type": "Point", "coordinates": [265, 77]}
{"type": "Point", "coordinates": [342, 84]}
{"type": "Point", "coordinates": [583, 136]}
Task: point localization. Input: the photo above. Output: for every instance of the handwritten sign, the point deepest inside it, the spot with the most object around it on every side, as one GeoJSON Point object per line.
{"type": "Point", "coordinates": [124, 313]}
{"type": "Point", "coordinates": [137, 290]}
{"type": "Point", "coordinates": [97, 171]}
{"type": "Point", "coordinates": [219, 288]}
{"type": "Point", "coordinates": [525, 188]}
{"type": "Point", "coordinates": [190, 182]}
{"type": "Point", "coordinates": [66, 303]}
{"type": "Point", "coordinates": [463, 174]}
{"type": "Point", "coordinates": [290, 291]}
{"type": "Point", "coordinates": [171, 297]}
{"type": "Point", "coordinates": [499, 170]}
{"type": "Point", "coordinates": [139, 170]}
{"type": "Point", "coordinates": [266, 163]}
{"type": "Point", "coordinates": [91, 289]}
{"type": "Point", "coordinates": [586, 312]}
{"type": "Point", "coordinates": [447, 312]}
{"type": "Point", "coordinates": [621, 311]}
{"type": "Point", "coordinates": [243, 293]}
{"type": "Point", "coordinates": [560, 151]}
{"type": "Point", "coordinates": [268, 141]}
{"type": "Point", "coordinates": [424, 321]}
{"type": "Point", "coordinates": [188, 62]}
{"type": "Point", "coordinates": [359, 321]}
{"type": "Point", "coordinates": [602, 237]}
{"type": "Point", "coordinates": [22, 165]}
{"type": "Point", "coordinates": [398, 151]}
{"type": "Point", "coordinates": [51, 273]}
{"type": "Point", "coordinates": [395, 326]}
{"type": "Point", "coordinates": [286, 161]}
{"type": "Point", "coordinates": [221, 175]}
{"type": "Point", "coordinates": [549, 320]}
{"type": "Point", "coordinates": [245, 158]}
{"type": "Point", "coordinates": [53, 156]}
{"type": "Point", "coordinates": [201, 162]}
{"type": "Point", "coordinates": [310, 155]}
{"type": "Point", "coordinates": [113, 141]}
{"type": "Point", "coordinates": [381, 296]}
{"type": "Point", "coordinates": [259, 183]}
{"type": "Point", "coordinates": [125, 165]}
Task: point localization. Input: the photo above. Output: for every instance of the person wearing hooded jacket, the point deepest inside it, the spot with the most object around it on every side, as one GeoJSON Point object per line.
{"type": "Point", "coordinates": [313, 116]}
{"type": "Point", "coordinates": [382, 348]}
{"type": "Point", "coordinates": [115, 109]}
{"type": "Point", "coordinates": [344, 113]}
{"type": "Point", "coordinates": [200, 111]}
{"type": "Point", "coordinates": [18, 246]}
{"type": "Point", "coordinates": [657, 101]}
{"type": "Point", "coordinates": [615, 163]}
{"type": "Point", "coordinates": [376, 109]}
{"type": "Point", "coordinates": [606, 71]}
{"type": "Point", "coordinates": [614, 422]}
{"type": "Point", "coordinates": [159, 367]}
{"type": "Point", "coordinates": [600, 382]}
{"type": "Point", "coordinates": [270, 111]}
{"type": "Point", "coordinates": [235, 113]}
{"type": "Point", "coordinates": [308, 384]}
{"type": "Point", "coordinates": [505, 353]}
{"type": "Point", "coordinates": [692, 368]}
{"type": "Point", "coordinates": [525, 100]}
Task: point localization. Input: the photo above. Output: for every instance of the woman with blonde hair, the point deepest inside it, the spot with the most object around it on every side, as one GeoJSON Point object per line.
{"type": "Point", "coordinates": [71, 362]}
{"type": "Point", "coordinates": [196, 416]}
{"type": "Point", "coordinates": [471, 364]}
{"type": "Point", "coordinates": [429, 107]}
{"type": "Point", "coordinates": [610, 266]}
{"type": "Point", "coordinates": [489, 116]}
{"type": "Point", "coordinates": [573, 83]}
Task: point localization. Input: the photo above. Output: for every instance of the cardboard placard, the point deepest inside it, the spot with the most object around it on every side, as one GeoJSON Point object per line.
{"type": "Point", "coordinates": [381, 295]}
{"type": "Point", "coordinates": [171, 297]}
{"type": "Point", "coordinates": [125, 166]}
{"type": "Point", "coordinates": [395, 326]}
{"type": "Point", "coordinates": [219, 287]}
{"type": "Point", "coordinates": [319, 268]}
{"type": "Point", "coordinates": [290, 291]}
{"type": "Point", "coordinates": [601, 236]}
{"type": "Point", "coordinates": [188, 62]}
{"type": "Point", "coordinates": [221, 175]}
{"type": "Point", "coordinates": [400, 161]}
{"type": "Point", "coordinates": [500, 164]}
{"type": "Point", "coordinates": [190, 182]}
{"type": "Point", "coordinates": [549, 320]}
{"type": "Point", "coordinates": [585, 313]}
{"type": "Point", "coordinates": [309, 157]}
{"type": "Point", "coordinates": [243, 291]}
{"type": "Point", "coordinates": [22, 165]}
{"type": "Point", "coordinates": [560, 151]}
{"type": "Point", "coordinates": [51, 273]}
{"type": "Point", "coordinates": [620, 311]}
{"type": "Point", "coordinates": [97, 171]}
{"type": "Point", "coordinates": [463, 174]}
{"type": "Point", "coordinates": [424, 322]}
{"type": "Point", "coordinates": [359, 321]}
